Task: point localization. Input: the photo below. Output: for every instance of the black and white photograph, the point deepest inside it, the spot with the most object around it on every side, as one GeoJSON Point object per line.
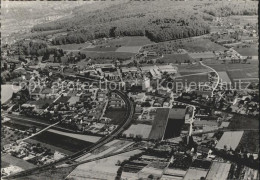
{"type": "Point", "coordinates": [130, 90]}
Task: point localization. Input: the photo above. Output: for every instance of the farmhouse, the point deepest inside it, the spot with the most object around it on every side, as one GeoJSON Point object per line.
{"type": "Point", "coordinates": [155, 73]}
{"type": "Point", "coordinates": [111, 75]}
{"type": "Point", "coordinates": [128, 70]}
{"type": "Point", "coordinates": [203, 123]}
{"type": "Point", "coordinates": [116, 102]}
{"type": "Point", "coordinates": [149, 53]}
{"type": "Point", "coordinates": [168, 69]}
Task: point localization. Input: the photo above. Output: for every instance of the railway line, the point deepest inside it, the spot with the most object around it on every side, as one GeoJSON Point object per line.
{"type": "Point", "coordinates": [125, 123]}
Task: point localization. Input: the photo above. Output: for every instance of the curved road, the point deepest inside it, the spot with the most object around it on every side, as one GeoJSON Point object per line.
{"type": "Point", "coordinates": [125, 123]}
{"type": "Point", "coordinates": [214, 88]}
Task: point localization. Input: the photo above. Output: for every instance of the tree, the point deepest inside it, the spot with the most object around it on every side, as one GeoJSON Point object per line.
{"type": "Point", "coordinates": [150, 177]}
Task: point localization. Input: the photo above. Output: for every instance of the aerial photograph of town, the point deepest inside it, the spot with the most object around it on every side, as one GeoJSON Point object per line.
{"type": "Point", "coordinates": [130, 90]}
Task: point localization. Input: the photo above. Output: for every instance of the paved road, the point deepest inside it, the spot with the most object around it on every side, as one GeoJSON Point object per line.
{"type": "Point", "coordinates": [215, 87]}
{"type": "Point", "coordinates": [48, 127]}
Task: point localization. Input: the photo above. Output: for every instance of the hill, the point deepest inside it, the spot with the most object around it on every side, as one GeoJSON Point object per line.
{"type": "Point", "coordinates": [159, 20]}
{"type": "Point", "coordinates": [19, 17]}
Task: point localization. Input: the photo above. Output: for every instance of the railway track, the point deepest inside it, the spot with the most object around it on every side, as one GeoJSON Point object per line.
{"type": "Point", "coordinates": [125, 123]}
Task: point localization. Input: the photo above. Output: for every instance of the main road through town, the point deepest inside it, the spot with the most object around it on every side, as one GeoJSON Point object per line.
{"type": "Point", "coordinates": [126, 121]}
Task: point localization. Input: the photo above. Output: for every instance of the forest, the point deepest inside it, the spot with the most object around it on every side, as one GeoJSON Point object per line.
{"type": "Point", "coordinates": [158, 20]}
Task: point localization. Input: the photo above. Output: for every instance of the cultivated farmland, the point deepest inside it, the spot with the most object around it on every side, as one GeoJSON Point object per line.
{"type": "Point", "coordinates": [197, 45]}
{"type": "Point", "coordinates": [224, 76]}
{"type": "Point", "coordinates": [115, 115]}
{"type": "Point", "coordinates": [250, 51]}
{"type": "Point", "coordinates": [71, 47]}
{"type": "Point", "coordinates": [61, 141]}
{"type": "Point", "coordinates": [230, 140]}
{"type": "Point", "coordinates": [130, 49]}
{"type": "Point", "coordinates": [129, 41]}
{"type": "Point", "coordinates": [203, 55]}
{"type": "Point", "coordinates": [243, 122]}
{"type": "Point", "coordinates": [176, 58]}
{"type": "Point", "coordinates": [100, 49]}
{"type": "Point", "coordinates": [197, 78]}
{"type": "Point", "coordinates": [108, 55]}
{"type": "Point", "coordinates": [249, 142]}
{"type": "Point", "coordinates": [139, 129]}
{"type": "Point", "coordinates": [159, 124]}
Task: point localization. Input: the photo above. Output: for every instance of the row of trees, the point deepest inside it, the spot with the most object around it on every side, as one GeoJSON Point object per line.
{"type": "Point", "coordinates": [154, 31]}
{"type": "Point", "coordinates": [25, 47]}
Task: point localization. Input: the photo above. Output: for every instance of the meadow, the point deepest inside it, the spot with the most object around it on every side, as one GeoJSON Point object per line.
{"type": "Point", "coordinates": [249, 51]}
{"type": "Point", "coordinates": [176, 58]}
{"type": "Point", "coordinates": [192, 45]}
{"type": "Point", "coordinates": [130, 41]}
{"type": "Point", "coordinates": [189, 80]}
{"type": "Point", "coordinates": [72, 47]}
{"type": "Point", "coordinates": [108, 55]}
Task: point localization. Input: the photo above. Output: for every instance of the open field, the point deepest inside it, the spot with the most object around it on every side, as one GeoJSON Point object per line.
{"type": "Point", "coordinates": [60, 173]}
{"type": "Point", "coordinates": [199, 78]}
{"type": "Point", "coordinates": [243, 20]}
{"type": "Point", "coordinates": [192, 68]}
{"type": "Point", "coordinates": [130, 49]}
{"type": "Point", "coordinates": [195, 174]}
{"type": "Point", "coordinates": [87, 138]}
{"type": "Point", "coordinates": [243, 122]}
{"type": "Point", "coordinates": [203, 55]}
{"type": "Point", "coordinates": [63, 99]}
{"type": "Point", "coordinates": [73, 46]}
{"type": "Point", "coordinates": [7, 92]}
{"type": "Point", "coordinates": [219, 170]}
{"type": "Point", "coordinates": [220, 66]}
{"type": "Point", "coordinates": [224, 76]}
{"type": "Point", "coordinates": [230, 139]}
{"type": "Point", "coordinates": [248, 75]}
{"type": "Point", "coordinates": [159, 124]}
{"type": "Point", "coordinates": [100, 49]}
{"type": "Point", "coordinates": [200, 45]}
{"type": "Point", "coordinates": [8, 159]}
{"type": "Point", "coordinates": [129, 41]}
{"type": "Point", "coordinates": [116, 115]}
{"type": "Point", "coordinates": [107, 55]}
{"type": "Point", "coordinates": [61, 141]}
{"type": "Point", "coordinates": [176, 58]}
{"type": "Point", "coordinates": [4, 164]}
{"type": "Point", "coordinates": [216, 28]}
{"type": "Point", "coordinates": [101, 169]}
{"type": "Point", "coordinates": [16, 125]}
{"type": "Point", "coordinates": [139, 129]}
{"type": "Point", "coordinates": [52, 147]}
{"type": "Point", "coordinates": [249, 51]}
{"type": "Point", "coordinates": [249, 142]}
